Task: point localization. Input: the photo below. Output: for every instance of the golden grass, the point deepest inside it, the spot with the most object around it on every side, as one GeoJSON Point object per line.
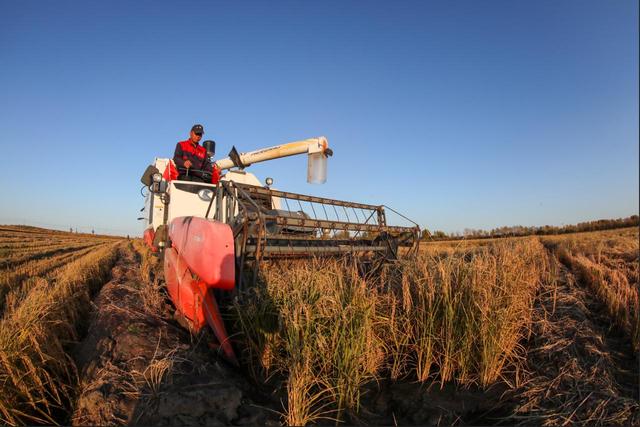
{"type": "Point", "coordinates": [330, 330]}
{"type": "Point", "coordinates": [37, 377]}
{"type": "Point", "coordinates": [158, 369]}
{"type": "Point", "coordinates": [467, 311]}
{"type": "Point", "coordinates": [458, 311]}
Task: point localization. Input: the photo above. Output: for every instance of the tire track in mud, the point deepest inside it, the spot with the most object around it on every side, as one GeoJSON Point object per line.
{"type": "Point", "coordinates": [137, 366]}
{"type": "Point", "coordinates": [582, 369]}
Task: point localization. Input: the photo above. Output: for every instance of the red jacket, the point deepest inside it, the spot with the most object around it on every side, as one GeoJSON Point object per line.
{"type": "Point", "coordinates": [196, 153]}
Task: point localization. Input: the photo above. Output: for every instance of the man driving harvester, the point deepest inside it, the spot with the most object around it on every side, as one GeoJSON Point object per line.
{"type": "Point", "coordinates": [193, 160]}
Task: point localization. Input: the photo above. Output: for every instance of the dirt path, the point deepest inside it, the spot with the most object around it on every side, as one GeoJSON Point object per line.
{"type": "Point", "coordinates": [582, 371]}
{"type": "Point", "coordinates": [138, 366]}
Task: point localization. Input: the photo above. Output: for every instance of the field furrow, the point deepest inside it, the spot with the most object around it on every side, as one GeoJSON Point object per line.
{"type": "Point", "coordinates": [607, 265]}
{"type": "Point", "coordinates": [575, 354]}
{"type": "Point", "coordinates": [37, 372]}
{"type": "Point", "coordinates": [34, 254]}
{"type": "Point", "coordinates": [35, 240]}
{"type": "Point", "coordinates": [12, 280]}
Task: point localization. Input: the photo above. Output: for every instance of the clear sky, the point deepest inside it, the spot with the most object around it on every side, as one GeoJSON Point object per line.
{"type": "Point", "coordinates": [458, 114]}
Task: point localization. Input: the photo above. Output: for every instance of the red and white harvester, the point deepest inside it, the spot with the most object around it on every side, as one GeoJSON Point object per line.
{"type": "Point", "coordinates": [213, 237]}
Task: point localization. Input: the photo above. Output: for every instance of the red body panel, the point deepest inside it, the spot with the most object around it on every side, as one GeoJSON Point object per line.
{"type": "Point", "coordinates": [183, 288]}
{"type": "Point", "coordinates": [201, 259]}
{"type": "Point", "coordinates": [194, 299]}
{"type": "Point", "coordinates": [148, 236]}
{"type": "Point", "coordinates": [207, 248]}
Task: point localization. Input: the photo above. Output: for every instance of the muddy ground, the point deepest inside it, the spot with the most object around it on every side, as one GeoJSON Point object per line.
{"type": "Point", "coordinates": [139, 366]}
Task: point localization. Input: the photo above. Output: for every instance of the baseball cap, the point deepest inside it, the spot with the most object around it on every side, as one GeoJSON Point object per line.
{"type": "Point", "coordinates": [197, 129]}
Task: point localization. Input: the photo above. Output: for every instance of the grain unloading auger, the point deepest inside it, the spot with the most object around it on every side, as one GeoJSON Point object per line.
{"type": "Point", "coordinates": [210, 234]}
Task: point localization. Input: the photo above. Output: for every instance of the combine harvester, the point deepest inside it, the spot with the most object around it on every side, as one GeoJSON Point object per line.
{"type": "Point", "coordinates": [209, 234]}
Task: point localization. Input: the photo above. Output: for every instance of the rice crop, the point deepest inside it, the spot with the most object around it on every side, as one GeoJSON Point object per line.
{"type": "Point", "coordinates": [513, 314]}
{"type": "Point", "coordinates": [327, 329]}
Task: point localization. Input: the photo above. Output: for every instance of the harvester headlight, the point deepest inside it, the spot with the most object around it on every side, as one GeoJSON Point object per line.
{"type": "Point", "coordinates": [156, 177]}
{"type": "Point", "coordinates": [205, 194]}
{"type": "Point", "coordinates": [268, 181]}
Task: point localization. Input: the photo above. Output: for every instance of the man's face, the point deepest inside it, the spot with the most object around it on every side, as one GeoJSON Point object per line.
{"type": "Point", "coordinates": [196, 137]}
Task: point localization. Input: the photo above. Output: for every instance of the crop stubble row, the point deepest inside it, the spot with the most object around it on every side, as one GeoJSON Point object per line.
{"type": "Point", "coordinates": [36, 256]}
{"type": "Point", "coordinates": [36, 376]}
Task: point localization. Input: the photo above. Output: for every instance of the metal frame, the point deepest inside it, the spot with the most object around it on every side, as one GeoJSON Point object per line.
{"type": "Point", "coordinates": [262, 233]}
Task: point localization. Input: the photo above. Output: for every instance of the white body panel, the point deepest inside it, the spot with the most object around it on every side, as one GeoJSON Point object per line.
{"type": "Point", "coordinates": [187, 203]}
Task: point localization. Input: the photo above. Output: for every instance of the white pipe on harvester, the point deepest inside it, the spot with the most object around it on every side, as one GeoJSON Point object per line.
{"type": "Point", "coordinates": [311, 146]}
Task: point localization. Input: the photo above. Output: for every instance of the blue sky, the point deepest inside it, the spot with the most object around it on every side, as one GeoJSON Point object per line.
{"type": "Point", "coordinates": [458, 114]}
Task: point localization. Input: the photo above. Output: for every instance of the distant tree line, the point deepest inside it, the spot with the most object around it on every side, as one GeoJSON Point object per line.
{"type": "Point", "coordinates": [519, 230]}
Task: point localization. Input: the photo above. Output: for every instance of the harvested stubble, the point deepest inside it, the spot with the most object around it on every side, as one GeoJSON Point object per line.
{"type": "Point", "coordinates": [152, 296]}
{"type": "Point", "coordinates": [19, 257]}
{"type": "Point", "coordinates": [16, 282]}
{"type": "Point", "coordinates": [37, 377]}
{"type": "Point", "coordinates": [20, 243]}
{"type": "Point", "coordinates": [608, 264]}
{"type": "Point", "coordinates": [28, 231]}
{"type": "Point", "coordinates": [576, 373]}
{"type": "Point", "coordinates": [329, 330]}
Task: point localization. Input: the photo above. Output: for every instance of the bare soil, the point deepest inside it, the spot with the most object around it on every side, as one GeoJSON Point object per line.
{"type": "Point", "coordinates": [140, 367]}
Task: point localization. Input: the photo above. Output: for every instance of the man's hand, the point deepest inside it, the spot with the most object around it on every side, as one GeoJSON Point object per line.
{"type": "Point", "coordinates": [187, 164]}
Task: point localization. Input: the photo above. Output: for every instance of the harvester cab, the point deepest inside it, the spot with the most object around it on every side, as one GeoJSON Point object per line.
{"type": "Point", "coordinates": [210, 233]}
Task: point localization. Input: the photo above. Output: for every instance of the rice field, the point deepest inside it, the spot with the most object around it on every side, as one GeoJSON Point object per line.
{"type": "Point", "coordinates": [460, 314]}
{"type": "Point", "coordinates": [528, 331]}
{"type": "Point", "coordinates": [608, 264]}
{"type": "Point", "coordinates": [29, 255]}
{"type": "Point", "coordinates": [47, 280]}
